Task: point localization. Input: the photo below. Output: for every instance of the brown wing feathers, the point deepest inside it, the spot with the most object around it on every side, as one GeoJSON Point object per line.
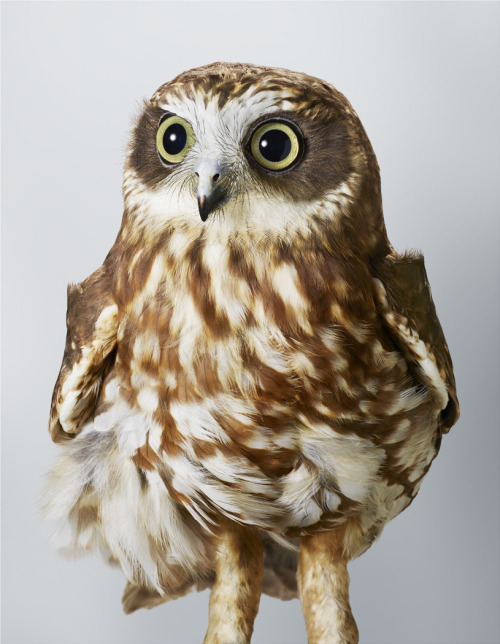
{"type": "Point", "coordinates": [92, 323]}
{"type": "Point", "coordinates": [409, 311]}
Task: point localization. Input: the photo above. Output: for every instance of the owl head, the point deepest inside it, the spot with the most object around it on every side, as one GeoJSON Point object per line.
{"type": "Point", "coordinates": [232, 149]}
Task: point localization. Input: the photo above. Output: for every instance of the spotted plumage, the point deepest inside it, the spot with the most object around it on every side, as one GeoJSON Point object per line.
{"type": "Point", "coordinates": [253, 374]}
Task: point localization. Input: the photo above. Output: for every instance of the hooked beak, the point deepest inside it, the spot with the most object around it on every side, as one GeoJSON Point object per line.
{"type": "Point", "coordinates": [210, 196]}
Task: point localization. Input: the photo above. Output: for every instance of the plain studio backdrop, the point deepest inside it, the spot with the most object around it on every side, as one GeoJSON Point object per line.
{"type": "Point", "coordinates": [424, 79]}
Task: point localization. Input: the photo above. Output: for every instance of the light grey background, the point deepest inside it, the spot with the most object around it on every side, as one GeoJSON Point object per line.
{"type": "Point", "coordinates": [424, 79]}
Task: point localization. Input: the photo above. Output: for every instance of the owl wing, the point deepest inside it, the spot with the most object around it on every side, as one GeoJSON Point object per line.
{"type": "Point", "coordinates": [92, 323]}
{"type": "Point", "coordinates": [405, 303]}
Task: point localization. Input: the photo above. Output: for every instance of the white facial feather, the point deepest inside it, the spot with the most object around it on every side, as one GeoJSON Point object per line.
{"type": "Point", "coordinates": [229, 124]}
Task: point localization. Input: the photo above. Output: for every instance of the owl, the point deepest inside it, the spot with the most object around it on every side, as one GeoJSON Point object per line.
{"type": "Point", "coordinates": [254, 382]}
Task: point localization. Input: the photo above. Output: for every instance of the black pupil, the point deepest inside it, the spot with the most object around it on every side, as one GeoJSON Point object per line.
{"type": "Point", "coordinates": [275, 145]}
{"type": "Point", "coordinates": [174, 139]}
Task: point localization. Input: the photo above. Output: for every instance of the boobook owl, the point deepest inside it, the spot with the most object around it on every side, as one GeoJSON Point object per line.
{"type": "Point", "coordinates": [254, 381]}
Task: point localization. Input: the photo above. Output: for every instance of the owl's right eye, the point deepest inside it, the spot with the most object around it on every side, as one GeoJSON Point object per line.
{"type": "Point", "coordinates": [174, 138]}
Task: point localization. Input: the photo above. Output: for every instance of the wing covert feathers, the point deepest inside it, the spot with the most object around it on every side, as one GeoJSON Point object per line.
{"type": "Point", "coordinates": [405, 303]}
{"type": "Point", "coordinates": [92, 325]}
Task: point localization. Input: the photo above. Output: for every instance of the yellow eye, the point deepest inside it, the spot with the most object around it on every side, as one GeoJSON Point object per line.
{"type": "Point", "coordinates": [174, 139]}
{"type": "Point", "coordinates": [275, 145]}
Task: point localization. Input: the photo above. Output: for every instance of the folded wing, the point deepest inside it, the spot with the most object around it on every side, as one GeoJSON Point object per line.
{"type": "Point", "coordinates": [405, 304]}
{"type": "Point", "coordinates": [92, 323]}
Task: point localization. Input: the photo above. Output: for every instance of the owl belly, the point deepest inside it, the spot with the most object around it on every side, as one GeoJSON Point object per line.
{"type": "Point", "coordinates": [254, 428]}
{"type": "Point", "coordinates": [142, 480]}
{"type": "Point", "coordinates": [294, 476]}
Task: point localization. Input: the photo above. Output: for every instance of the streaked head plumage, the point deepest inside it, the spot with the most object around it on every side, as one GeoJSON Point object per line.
{"type": "Point", "coordinates": [240, 147]}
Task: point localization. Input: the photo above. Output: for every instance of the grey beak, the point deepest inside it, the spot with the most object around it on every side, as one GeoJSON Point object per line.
{"type": "Point", "coordinates": [208, 172]}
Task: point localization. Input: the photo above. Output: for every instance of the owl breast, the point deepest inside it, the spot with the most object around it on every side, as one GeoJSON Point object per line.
{"type": "Point", "coordinates": [252, 400]}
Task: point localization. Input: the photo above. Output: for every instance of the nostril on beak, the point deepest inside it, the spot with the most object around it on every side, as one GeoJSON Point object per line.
{"type": "Point", "coordinates": [197, 175]}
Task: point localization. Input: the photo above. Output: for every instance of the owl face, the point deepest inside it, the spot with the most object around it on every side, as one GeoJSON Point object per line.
{"type": "Point", "coordinates": [234, 147]}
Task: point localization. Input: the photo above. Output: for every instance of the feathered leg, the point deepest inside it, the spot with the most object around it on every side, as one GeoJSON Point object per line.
{"type": "Point", "coordinates": [324, 589]}
{"type": "Point", "coordinates": [235, 596]}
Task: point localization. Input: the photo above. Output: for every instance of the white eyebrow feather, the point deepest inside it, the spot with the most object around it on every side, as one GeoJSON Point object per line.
{"type": "Point", "coordinates": [233, 118]}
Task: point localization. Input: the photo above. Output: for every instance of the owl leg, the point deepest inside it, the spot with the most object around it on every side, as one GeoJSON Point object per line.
{"type": "Point", "coordinates": [324, 589]}
{"type": "Point", "coordinates": [235, 596]}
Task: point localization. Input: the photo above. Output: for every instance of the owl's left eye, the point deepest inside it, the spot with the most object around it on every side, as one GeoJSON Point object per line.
{"type": "Point", "coordinates": [174, 138]}
{"type": "Point", "coordinates": [276, 145]}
